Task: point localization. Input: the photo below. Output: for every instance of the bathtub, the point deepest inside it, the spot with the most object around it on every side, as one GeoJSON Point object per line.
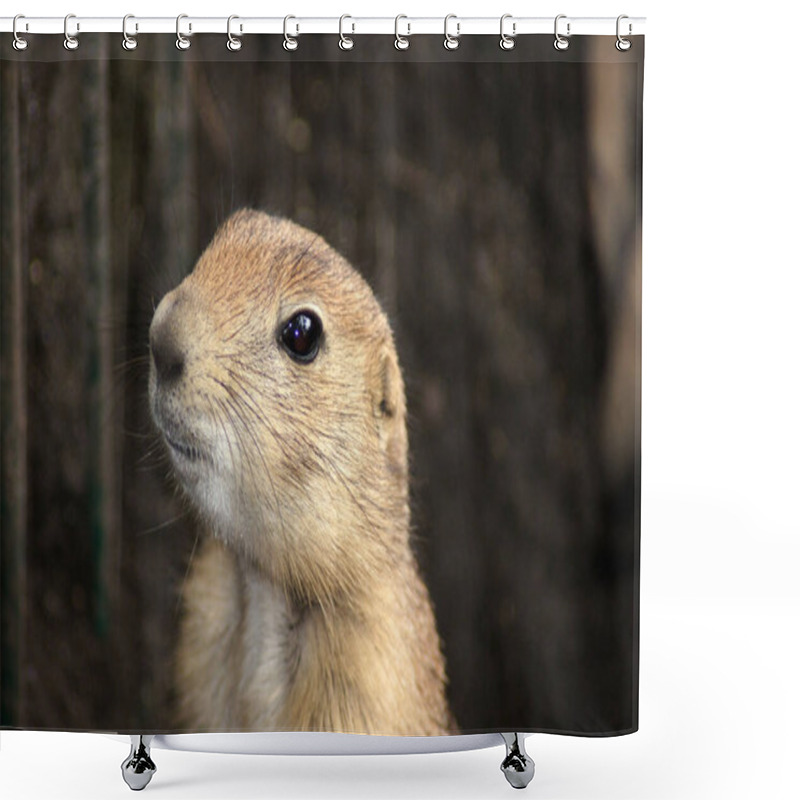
{"type": "Point", "coordinates": [139, 767]}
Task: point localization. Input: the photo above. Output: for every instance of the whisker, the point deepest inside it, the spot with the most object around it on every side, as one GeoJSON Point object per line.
{"type": "Point", "coordinates": [162, 525]}
{"type": "Point", "coordinates": [179, 601]}
{"type": "Point", "coordinates": [228, 321]}
{"type": "Point", "coordinates": [128, 364]}
{"type": "Point", "coordinates": [240, 403]}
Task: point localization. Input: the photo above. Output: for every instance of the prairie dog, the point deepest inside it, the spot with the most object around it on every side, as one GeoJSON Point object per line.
{"type": "Point", "coordinates": [275, 384]}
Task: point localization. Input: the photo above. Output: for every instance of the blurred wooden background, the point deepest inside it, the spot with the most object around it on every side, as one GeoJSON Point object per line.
{"type": "Point", "coordinates": [493, 205]}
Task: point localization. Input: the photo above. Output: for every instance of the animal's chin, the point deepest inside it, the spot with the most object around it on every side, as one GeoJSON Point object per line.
{"type": "Point", "coordinates": [184, 450]}
{"type": "Point", "coordinates": [184, 446]}
{"type": "Point", "coordinates": [192, 467]}
{"type": "Point", "coordinates": [200, 468]}
{"type": "Point", "coordinates": [190, 459]}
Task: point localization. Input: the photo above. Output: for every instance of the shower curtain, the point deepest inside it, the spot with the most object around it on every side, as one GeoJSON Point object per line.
{"type": "Point", "coordinates": [490, 198]}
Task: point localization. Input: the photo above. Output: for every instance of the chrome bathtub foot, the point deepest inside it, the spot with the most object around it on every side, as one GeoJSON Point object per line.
{"type": "Point", "coordinates": [138, 768]}
{"type": "Point", "coordinates": [517, 766]}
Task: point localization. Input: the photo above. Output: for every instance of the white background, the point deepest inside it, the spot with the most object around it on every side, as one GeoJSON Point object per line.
{"type": "Point", "coordinates": [720, 702]}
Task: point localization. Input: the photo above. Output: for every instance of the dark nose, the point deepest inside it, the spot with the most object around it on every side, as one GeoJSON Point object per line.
{"type": "Point", "coordinates": [168, 354]}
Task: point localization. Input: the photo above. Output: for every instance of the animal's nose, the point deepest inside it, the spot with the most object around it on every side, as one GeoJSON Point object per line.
{"type": "Point", "coordinates": [168, 354]}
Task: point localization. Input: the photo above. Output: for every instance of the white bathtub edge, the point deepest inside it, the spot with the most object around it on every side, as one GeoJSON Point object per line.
{"type": "Point", "coordinates": [322, 744]}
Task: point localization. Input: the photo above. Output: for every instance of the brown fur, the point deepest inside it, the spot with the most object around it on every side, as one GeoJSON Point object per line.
{"type": "Point", "coordinates": [304, 609]}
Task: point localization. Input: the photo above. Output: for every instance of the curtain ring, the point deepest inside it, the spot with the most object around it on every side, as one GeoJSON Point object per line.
{"type": "Point", "coordinates": [182, 42]}
{"type": "Point", "coordinates": [19, 43]}
{"type": "Point", "coordinates": [345, 42]}
{"type": "Point", "coordinates": [623, 44]}
{"type": "Point", "coordinates": [507, 42]}
{"type": "Point", "coordinates": [289, 42]}
{"type": "Point", "coordinates": [70, 41]}
{"type": "Point", "coordinates": [129, 42]}
{"type": "Point", "coordinates": [451, 42]}
{"type": "Point", "coordinates": [561, 42]}
{"type": "Point", "coordinates": [234, 42]}
{"type": "Point", "coordinates": [401, 42]}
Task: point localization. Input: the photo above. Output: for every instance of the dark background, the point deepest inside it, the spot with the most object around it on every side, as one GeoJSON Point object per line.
{"type": "Point", "coordinates": [491, 199]}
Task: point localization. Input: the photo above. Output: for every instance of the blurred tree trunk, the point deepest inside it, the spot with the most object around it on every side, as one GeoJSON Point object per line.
{"type": "Point", "coordinates": [13, 361]}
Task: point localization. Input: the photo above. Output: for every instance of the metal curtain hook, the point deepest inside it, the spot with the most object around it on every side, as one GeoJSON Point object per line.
{"type": "Point", "coordinates": [19, 43]}
{"type": "Point", "coordinates": [450, 41]}
{"type": "Point", "coordinates": [182, 42]}
{"type": "Point", "coordinates": [623, 44]}
{"type": "Point", "coordinates": [561, 42]}
{"type": "Point", "coordinates": [70, 42]}
{"type": "Point", "coordinates": [345, 42]}
{"type": "Point", "coordinates": [289, 42]}
{"type": "Point", "coordinates": [234, 42]}
{"type": "Point", "coordinates": [401, 42]}
{"type": "Point", "coordinates": [507, 41]}
{"type": "Point", "coordinates": [129, 42]}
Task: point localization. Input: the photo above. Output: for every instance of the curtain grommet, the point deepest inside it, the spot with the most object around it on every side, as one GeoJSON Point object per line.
{"type": "Point", "coordinates": [401, 42]}
{"type": "Point", "coordinates": [507, 40]}
{"type": "Point", "coordinates": [561, 42]}
{"type": "Point", "coordinates": [129, 42]}
{"type": "Point", "coordinates": [182, 41]}
{"type": "Point", "coordinates": [71, 42]}
{"type": "Point", "coordinates": [19, 43]}
{"type": "Point", "coordinates": [345, 42]}
{"type": "Point", "coordinates": [234, 43]}
{"type": "Point", "coordinates": [622, 44]}
{"type": "Point", "coordinates": [289, 42]}
{"type": "Point", "coordinates": [450, 40]}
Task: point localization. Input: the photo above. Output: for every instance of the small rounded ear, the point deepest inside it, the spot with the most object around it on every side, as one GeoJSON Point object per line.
{"type": "Point", "coordinates": [389, 408]}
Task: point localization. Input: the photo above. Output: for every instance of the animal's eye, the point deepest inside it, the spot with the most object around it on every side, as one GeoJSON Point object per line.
{"type": "Point", "coordinates": [301, 336]}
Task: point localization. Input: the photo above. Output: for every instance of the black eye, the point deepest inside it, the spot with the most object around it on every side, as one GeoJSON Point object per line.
{"type": "Point", "coordinates": [301, 334]}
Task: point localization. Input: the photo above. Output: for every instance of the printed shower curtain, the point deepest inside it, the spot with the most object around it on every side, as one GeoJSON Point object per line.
{"type": "Point", "coordinates": [491, 202]}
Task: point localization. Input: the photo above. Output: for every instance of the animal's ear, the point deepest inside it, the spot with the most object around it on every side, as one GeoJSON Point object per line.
{"type": "Point", "coordinates": [390, 409]}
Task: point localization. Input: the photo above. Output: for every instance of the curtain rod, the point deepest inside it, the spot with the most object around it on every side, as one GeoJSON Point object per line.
{"type": "Point", "coordinates": [403, 26]}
